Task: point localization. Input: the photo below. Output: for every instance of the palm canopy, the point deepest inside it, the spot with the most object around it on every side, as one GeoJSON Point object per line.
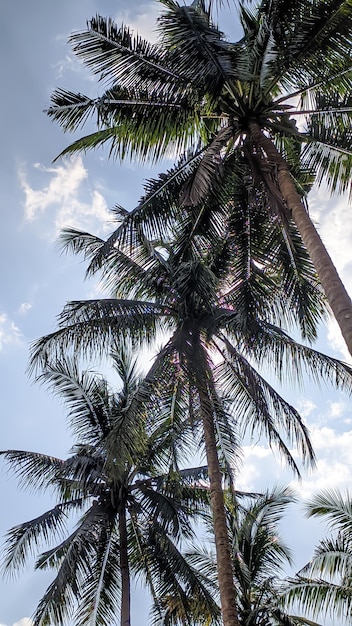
{"type": "Point", "coordinates": [132, 503]}
{"type": "Point", "coordinates": [262, 259]}
{"type": "Point", "coordinates": [184, 293]}
{"type": "Point", "coordinates": [181, 285]}
{"type": "Point", "coordinates": [324, 586]}
{"type": "Point", "coordinates": [259, 556]}
{"type": "Point", "coordinates": [293, 62]}
{"type": "Point", "coordinates": [278, 97]}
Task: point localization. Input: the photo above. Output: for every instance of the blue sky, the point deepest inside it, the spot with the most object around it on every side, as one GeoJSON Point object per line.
{"type": "Point", "coordinates": [37, 199]}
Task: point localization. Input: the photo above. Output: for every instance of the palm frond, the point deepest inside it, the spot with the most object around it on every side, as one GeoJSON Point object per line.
{"type": "Point", "coordinates": [257, 407]}
{"type": "Point", "coordinates": [108, 50]}
{"type": "Point", "coordinates": [336, 507]}
{"type": "Point", "coordinates": [101, 590]}
{"type": "Point", "coordinates": [34, 470]}
{"type": "Point", "coordinates": [23, 539]}
{"type": "Point", "coordinates": [59, 601]}
{"type": "Point", "coordinates": [319, 597]}
{"type": "Point", "coordinates": [293, 359]}
{"type": "Point", "coordinates": [197, 47]}
{"type": "Point", "coordinates": [93, 325]}
{"type": "Point", "coordinates": [86, 396]}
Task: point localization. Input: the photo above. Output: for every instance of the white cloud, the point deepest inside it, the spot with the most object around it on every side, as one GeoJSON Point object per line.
{"type": "Point", "coordinates": [306, 407]}
{"type": "Point", "coordinates": [25, 621]}
{"type": "Point", "coordinates": [332, 217]}
{"type": "Point", "coordinates": [336, 341]}
{"type": "Point", "coordinates": [68, 63]}
{"type": "Point", "coordinates": [337, 409]}
{"type": "Point", "coordinates": [143, 22]}
{"type": "Point", "coordinates": [333, 452]}
{"type": "Point", "coordinates": [9, 333]}
{"type": "Point", "coordinates": [24, 308]}
{"type": "Point", "coordinates": [67, 195]}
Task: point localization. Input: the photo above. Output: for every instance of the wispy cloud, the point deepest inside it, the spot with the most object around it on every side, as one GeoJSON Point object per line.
{"type": "Point", "coordinates": [65, 199]}
{"type": "Point", "coordinates": [333, 451]}
{"type": "Point", "coordinates": [332, 217]}
{"type": "Point", "coordinates": [306, 407]}
{"type": "Point", "coordinates": [10, 334]}
{"type": "Point", "coordinates": [68, 63]}
{"type": "Point", "coordinates": [24, 308]}
{"type": "Point", "coordinates": [25, 621]}
{"type": "Point", "coordinates": [142, 20]}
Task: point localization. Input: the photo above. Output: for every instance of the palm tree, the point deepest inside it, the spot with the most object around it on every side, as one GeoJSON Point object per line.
{"type": "Point", "coordinates": [184, 292]}
{"type": "Point", "coordinates": [259, 556]}
{"type": "Point", "coordinates": [324, 585]}
{"type": "Point", "coordinates": [134, 505]}
{"type": "Point", "coordinates": [278, 96]}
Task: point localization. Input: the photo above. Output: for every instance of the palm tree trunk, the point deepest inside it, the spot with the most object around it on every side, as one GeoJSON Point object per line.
{"type": "Point", "coordinates": [222, 544]}
{"type": "Point", "coordinates": [336, 294]}
{"type": "Point", "coordinates": [125, 572]}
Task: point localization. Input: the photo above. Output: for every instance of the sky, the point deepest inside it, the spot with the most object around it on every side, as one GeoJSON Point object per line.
{"type": "Point", "coordinates": [37, 198]}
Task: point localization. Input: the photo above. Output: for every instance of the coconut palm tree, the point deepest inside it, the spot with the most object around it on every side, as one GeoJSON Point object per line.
{"type": "Point", "coordinates": [278, 95]}
{"type": "Point", "coordinates": [184, 293]}
{"type": "Point", "coordinates": [133, 505]}
{"type": "Point", "coordinates": [324, 586]}
{"type": "Point", "coordinates": [259, 556]}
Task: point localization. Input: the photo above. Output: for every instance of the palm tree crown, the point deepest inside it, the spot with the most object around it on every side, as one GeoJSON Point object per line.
{"type": "Point", "coordinates": [278, 97]}
{"type": "Point", "coordinates": [183, 290]}
{"type": "Point", "coordinates": [259, 557]}
{"type": "Point", "coordinates": [133, 503]}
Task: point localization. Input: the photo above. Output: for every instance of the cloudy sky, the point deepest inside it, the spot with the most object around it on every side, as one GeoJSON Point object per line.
{"type": "Point", "coordinates": [37, 199]}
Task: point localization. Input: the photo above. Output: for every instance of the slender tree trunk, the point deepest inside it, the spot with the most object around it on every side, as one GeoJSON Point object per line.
{"type": "Point", "coordinates": [336, 294]}
{"type": "Point", "coordinates": [222, 544]}
{"type": "Point", "coordinates": [125, 572]}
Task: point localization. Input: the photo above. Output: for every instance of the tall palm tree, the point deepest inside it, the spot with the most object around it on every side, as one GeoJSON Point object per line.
{"type": "Point", "coordinates": [132, 503]}
{"type": "Point", "coordinates": [324, 586]}
{"type": "Point", "coordinates": [184, 292]}
{"type": "Point", "coordinates": [278, 96]}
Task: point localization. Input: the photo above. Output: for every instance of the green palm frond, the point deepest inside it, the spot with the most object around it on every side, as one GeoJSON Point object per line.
{"type": "Point", "coordinates": [86, 397]}
{"type": "Point", "coordinates": [336, 507]}
{"type": "Point", "coordinates": [319, 597]}
{"type": "Point", "coordinates": [318, 31]}
{"type": "Point", "coordinates": [107, 50]}
{"type": "Point", "coordinates": [92, 324]}
{"type": "Point", "coordinates": [34, 470]}
{"type": "Point", "coordinates": [258, 408]}
{"type": "Point", "coordinates": [331, 558]}
{"type": "Point", "coordinates": [196, 46]}
{"type": "Point", "coordinates": [59, 600]}
{"type": "Point", "coordinates": [292, 359]}
{"type": "Point", "coordinates": [129, 121]}
{"type": "Point", "coordinates": [22, 540]}
{"type": "Point", "coordinates": [259, 555]}
{"type": "Point", "coordinates": [328, 150]}
{"type": "Point", "coordinates": [101, 592]}
{"type": "Point", "coordinates": [70, 109]}
{"type": "Point", "coordinates": [178, 578]}
{"type": "Point", "coordinates": [323, 586]}
{"type": "Point", "coordinates": [130, 268]}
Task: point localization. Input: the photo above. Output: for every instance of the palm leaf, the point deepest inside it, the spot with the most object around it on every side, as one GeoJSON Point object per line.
{"type": "Point", "coordinates": [24, 538]}
{"type": "Point", "coordinates": [93, 325]}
